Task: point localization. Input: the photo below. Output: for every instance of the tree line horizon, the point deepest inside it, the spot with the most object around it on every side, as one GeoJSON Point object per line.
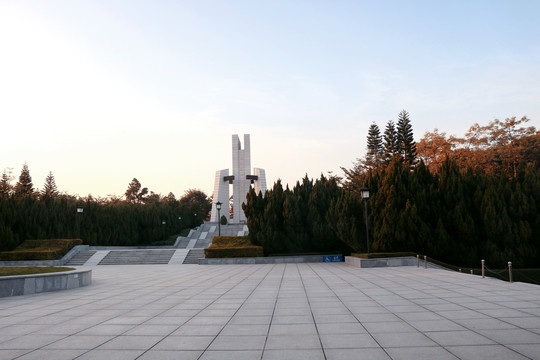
{"type": "Point", "coordinates": [410, 199]}
{"type": "Point", "coordinates": [458, 200]}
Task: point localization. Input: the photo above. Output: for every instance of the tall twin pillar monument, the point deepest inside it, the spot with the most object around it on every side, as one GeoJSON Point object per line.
{"type": "Point", "coordinates": [242, 179]}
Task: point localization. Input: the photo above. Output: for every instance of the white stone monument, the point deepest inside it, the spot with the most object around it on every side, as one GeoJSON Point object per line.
{"type": "Point", "coordinates": [241, 179]}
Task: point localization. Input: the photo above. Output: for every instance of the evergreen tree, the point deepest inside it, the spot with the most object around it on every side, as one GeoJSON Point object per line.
{"type": "Point", "coordinates": [134, 193]}
{"type": "Point", "coordinates": [374, 147]}
{"type": "Point", "coordinates": [5, 184]}
{"type": "Point", "coordinates": [49, 189]}
{"type": "Point", "coordinates": [406, 147]}
{"type": "Point", "coordinates": [24, 187]}
{"type": "Point", "coordinates": [390, 141]}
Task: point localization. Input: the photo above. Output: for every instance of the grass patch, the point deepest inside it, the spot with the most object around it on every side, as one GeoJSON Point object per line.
{"type": "Point", "coordinates": [29, 270]}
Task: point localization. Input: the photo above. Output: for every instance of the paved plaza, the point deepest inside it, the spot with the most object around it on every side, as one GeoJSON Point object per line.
{"type": "Point", "coordinates": [281, 311]}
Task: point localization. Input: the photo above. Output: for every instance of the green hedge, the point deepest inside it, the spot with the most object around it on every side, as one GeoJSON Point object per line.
{"type": "Point", "coordinates": [232, 246]}
{"type": "Point", "coordinates": [230, 241]}
{"type": "Point", "coordinates": [246, 251]}
{"type": "Point", "coordinates": [53, 249]}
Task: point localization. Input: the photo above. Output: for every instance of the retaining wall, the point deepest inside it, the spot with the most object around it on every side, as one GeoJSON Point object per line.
{"type": "Point", "coordinates": [389, 262]}
{"type": "Point", "coordinates": [263, 260]}
{"type": "Point", "coordinates": [38, 283]}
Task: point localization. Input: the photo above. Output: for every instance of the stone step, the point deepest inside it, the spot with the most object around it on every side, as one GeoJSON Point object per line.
{"type": "Point", "coordinates": [193, 256]}
{"type": "Point", "coordinates": [80, 258]}
{"type": "Point", "coordinates": [129, 257]}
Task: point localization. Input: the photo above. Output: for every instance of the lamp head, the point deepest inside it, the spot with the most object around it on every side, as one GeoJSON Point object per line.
{"type": "Point", "coordinates": [365, 193]}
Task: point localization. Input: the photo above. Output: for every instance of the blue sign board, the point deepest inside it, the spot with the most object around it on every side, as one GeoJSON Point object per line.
{"type": "Point", "coordinates": [333, 258]}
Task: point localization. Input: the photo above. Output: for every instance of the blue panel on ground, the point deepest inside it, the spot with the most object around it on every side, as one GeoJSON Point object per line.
{"type": "Point", "coordinates": [335, 258]}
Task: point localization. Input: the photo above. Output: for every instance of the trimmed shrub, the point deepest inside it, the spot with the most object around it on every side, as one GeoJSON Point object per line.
{"type": "Point", "coordinates": [40, 250]}
{"type": "Point", "coordinates": [232, 246]}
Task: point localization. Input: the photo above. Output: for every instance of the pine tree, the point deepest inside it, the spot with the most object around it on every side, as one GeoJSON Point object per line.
{"type": "Point", "coordinates": [374, 147]}
{"type": "Point", "coordinates": [134, 193]}
{"type": "Point", "coordinates": [390, 142]}
{"type": "Point", "coordinates": [24, 186]}
{"type": "Point", "coordinates": [406, 147]}
{"type": "Point", "coordinates": [49, 190]}
{"type": "Point", "coordinates": [5, 184]}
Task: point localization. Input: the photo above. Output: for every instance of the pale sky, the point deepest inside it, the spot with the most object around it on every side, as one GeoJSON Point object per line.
{"type": "Point", "coordinates": [100, 92]}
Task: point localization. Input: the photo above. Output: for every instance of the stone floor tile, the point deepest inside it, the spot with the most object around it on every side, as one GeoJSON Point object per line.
{"type": "Point", "coordinates": [511, 336]}
{"type": "Point", "coordinates": [170, 355]}
{"type": "Point", "coordinates": [420, 353]}
{"type": "Point", "coordinates": [292, 329]}
{"type": "Point", "coordinates": [250, 320]}
{"type": "Point", "coordinates": [292, 319]}
{"type": "Point", "coordinates": [82, 342]}
{"type": "Point", "coordinates": [337, 328]}
{"type": "Point", "coordinates": [194, 330]}
{"type": "Point", "coordinates": [388, 326]}
{"type": "Point", "coordinates": [23, 329]}
{"type": "Point", "coordinates": [12, 354]}
{"type": "Point", "coordinates": [385, 317]}
{"type": "Point", "coordinates": [150, 329]}
{"type": "Point", "coordinates": [290, 342]}
{"type": "Point", "coordinates": [485, 324]}
{"type": "Point", "coordinates": [414, 339]}
{"type": "Point", "coordinates": [29, 342]}
{"type": "Point", "coordinates": [184, 343]}
{"type": "Point", "coordinates": [357, 354]}
{"type": "Point", "coordinates": [344, 341]}
{"type": "Point", "coordinates": [243, 342]}
{"type": "Point", "coordinates": [529, 350]}
{"type": "Point", "coordinates": [485, 352]}
{"type": "Point", "coordinates": [524, 322]}
{"type": "Point", "coordinates": [231, 355]}
{"type": "Point", "coordinates": [131, 342]}
{"type": "Point", "coordinates": [167, 320]}
{"type": "Point", "coordinates": [333, 318]}
{"type": "Point", "coordinates": [280, 311]}
{"type": "Point", "coordinates": [106, 330]}
{"type": "Point", "coordinates": [242, 329]}
{"type": "Point", "coordinates": [111, 354]}
{"type": "Point", "coordinates": [127, 320]}
{"type": "Point", "coordinates": [436, 325]}
{"type": "Point", "coordinates": [308, 354]}
{"type": "Point", "coordinates": [466, 337]}
{"type": "Point", "coordinates": [51, 354]}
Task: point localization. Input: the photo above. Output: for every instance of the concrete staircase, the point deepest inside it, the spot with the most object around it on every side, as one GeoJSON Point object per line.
{"type": "Point", "coordinates": [188, 249]}
{"type": "Point", "coordinates": [193, 256]}
{"type": "Point", "coordinates": [131, 257]}
{"type": "Point", "coordinates": [201, 237]}
{"type": "Point", "coordinates": [80, 258]}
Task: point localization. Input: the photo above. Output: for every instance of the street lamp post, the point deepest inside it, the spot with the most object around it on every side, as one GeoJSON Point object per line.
{"type": "Point", "coordinates": [218, 207]}
{"type": "Point", "coordinates": [365, 196]}
{"type": "Point", "coordinates": [79, 211]}
{"type": "Point", "coordinates": [163, 222]}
